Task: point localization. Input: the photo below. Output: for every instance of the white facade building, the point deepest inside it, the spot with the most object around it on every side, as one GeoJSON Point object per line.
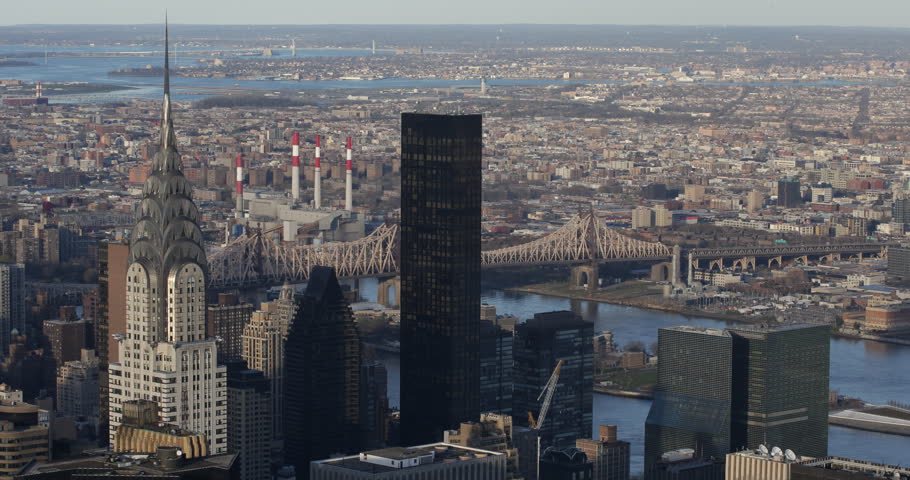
{"type": "Point", "coordinates": [165, 355]}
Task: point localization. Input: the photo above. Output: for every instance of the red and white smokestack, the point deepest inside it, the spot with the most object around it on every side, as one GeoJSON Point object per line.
{"type": "Point", "coordinates": [239, 194]}
{"type": "Point", "coordinates": [38, 90]}
{"type": "Point", "coordinates": [295, 167]}
{"type": "Point", "coordinates": [349, 181]}
{"type": "Point", "coordinates": [317, 190]}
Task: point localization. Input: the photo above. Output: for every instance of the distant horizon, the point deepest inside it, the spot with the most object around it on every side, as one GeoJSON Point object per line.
{"type": "Point", "coordinates": [839, 13]}
{"type": "Point", "coordinates": [532, 24]}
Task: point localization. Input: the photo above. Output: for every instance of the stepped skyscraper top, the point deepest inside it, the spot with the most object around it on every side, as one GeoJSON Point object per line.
{"type": "Point", "coordinates": [167, 235]}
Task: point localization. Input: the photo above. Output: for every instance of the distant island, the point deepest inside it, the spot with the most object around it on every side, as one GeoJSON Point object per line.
{"type": "Point", "coordinates": [147, 71]}
{"type": "Point", "coordinates": [15, 63]}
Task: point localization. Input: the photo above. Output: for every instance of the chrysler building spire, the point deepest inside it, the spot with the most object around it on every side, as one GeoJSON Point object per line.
{"type": "Point", "coordinates": [166, 354]}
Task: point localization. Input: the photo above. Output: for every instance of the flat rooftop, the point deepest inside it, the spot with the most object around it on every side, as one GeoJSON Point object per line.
{"type": "Point", "coordinates": [442, 453]}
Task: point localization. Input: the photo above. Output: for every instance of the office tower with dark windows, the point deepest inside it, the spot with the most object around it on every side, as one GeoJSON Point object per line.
{"type": "Point", "coordinates": [788, 193]}
{"type": "Point", "coordinates": [900, 210]}
{"type": "Point", "coordinates": [226, 320]}
{"type": "Point", "coordinates": [440, 273]}
{"type": "Point", "coordinates": [899, 262]}
{"type": "Point", "coordinates": [780, 388]}
{"type": "Point", "coordinates": [250, 420]}
{"type": "Point", "coordinates": [12, 303]}
{"type": "Point", "coordinates": [540, 343]}
{"type": "Point", "coordinates": [609, 455]}
{"type": "Point", "coordinates": [322, 375]}
{"type": "Point", "coordinates": [495, 368]}
{"type": "Point", "coordinates": [691, 407]}
{"type": "Point", "coordinates": [374, 403]}
{"type": "Point", "coordinates": [110, 319]}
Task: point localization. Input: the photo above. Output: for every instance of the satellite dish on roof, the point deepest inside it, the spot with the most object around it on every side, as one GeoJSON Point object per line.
{"type": "Point", "coordinates": [790, 455]}
{"type": "Point", "coordinates": [763, 449]}
{"type": "Point", "coordinates": [776, 452]}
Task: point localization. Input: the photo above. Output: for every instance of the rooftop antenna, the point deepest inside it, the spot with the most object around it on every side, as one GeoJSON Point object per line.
{"type": "Point", "coordinates": [763, 449]}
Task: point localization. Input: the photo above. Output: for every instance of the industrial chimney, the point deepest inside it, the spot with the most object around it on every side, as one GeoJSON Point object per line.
{"type": "Point", "coordinates": [295, 167]}
{"type": "Point", "coordinates": [348, 181]}
{"type": "Point", "coordinates": [317, 188]}
{"type": "Point", "coordinates": [239, 200]}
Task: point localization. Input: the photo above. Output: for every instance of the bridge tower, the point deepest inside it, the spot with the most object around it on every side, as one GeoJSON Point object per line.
{"type": "Point", "coordinates": [675, 266]}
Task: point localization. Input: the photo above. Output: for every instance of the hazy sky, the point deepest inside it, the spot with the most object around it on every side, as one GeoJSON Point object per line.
{"type": "Point", "coordinates": [732, 12]}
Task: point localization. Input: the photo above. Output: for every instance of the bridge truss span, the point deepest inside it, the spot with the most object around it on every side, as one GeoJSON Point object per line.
{"type": "Point", "coordinates": [821, 249]}
{"type": "Point", "coordinates": [258, 259]}
{"type": "Point", "coordinates": [584, 238]}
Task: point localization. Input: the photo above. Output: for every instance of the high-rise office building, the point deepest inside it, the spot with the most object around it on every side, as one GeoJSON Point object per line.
{"type": "Point", "coordinates": [780, 387]}
{"type": "Point", "coordinates": [540, 343]}
{"type": "Point", "coordinates": [322, 375]}
{"type": "Point", "coordinates": [899, 262]}
{"type": "Point", "coordinates": [495, 368]}
{"type": "Point", "coordinates": [900, 210]}
{"type": "Point", "coordinates": [165, 355]}
{"type": "Point", "coordinates": [110, 319]}
{"type": "Point", "coordinates": [226, 320]}
{"type": "Point", "coordinates": [788, 194]}
{"type": "Point", "coordinates": [374, 403]}
{"type": "Point", "coordinates": [263, 350]}
{"type": "Point", "coordinates": [723, 391]}
{"type": "Point", "coordinates": [691, 407]}
{"type": "Point", "coordinates": [77, 387]}
{"type": "Point", "coordinates": [250, 421]}
{"type": "Point", "coordinates": [440, 273]}
{"type": "Point", "coordinates": [12, 302]}
{"type": "Point", "coordinates": [609, 455]}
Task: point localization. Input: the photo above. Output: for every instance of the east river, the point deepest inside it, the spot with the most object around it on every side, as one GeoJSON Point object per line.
{"type": "Point", "coordinates": [876, 372]}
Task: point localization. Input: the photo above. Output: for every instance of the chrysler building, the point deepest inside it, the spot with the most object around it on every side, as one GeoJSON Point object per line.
{"type": "Point", "coordinates": [165, 355]}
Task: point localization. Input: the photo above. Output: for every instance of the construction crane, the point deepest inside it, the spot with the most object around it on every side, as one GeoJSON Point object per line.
{"type": "Point", "coordinates": [547, 395]}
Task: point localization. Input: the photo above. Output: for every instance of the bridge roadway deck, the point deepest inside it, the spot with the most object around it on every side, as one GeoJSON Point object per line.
{"type": "Point", "coordinates": [824, 249]}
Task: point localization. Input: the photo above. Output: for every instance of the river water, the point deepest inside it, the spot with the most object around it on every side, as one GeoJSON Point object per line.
{"type": "Point", "coordinates": [874, 371]}
{"type": "Point", "coordinates": [95, 70]}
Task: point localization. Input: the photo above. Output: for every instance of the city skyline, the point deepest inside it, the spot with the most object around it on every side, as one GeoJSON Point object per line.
{"type": "Point", "coordinates": [582, 205]}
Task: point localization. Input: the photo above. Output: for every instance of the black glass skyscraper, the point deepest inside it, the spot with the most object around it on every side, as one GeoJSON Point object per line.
{"type": "Point", "coordinates": [691, 407]}
{"type": "Point", "coordinates": [780, 388]}
{"type": "Point", "coordinates": [540, 343]}
{"type": "Point", "coordinates": [440, 273]}
{"type": "Point", "coordinates": [322, 375]}
{"type": "Point", "coordinates": [788, 194]}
